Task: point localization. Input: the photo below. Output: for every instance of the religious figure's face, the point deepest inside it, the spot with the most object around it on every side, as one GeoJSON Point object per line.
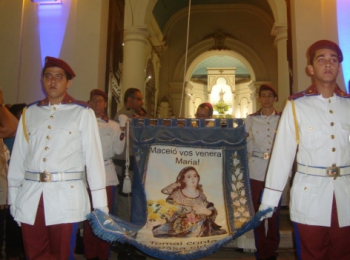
{"type": "Point", "coordinates": [191, 179]}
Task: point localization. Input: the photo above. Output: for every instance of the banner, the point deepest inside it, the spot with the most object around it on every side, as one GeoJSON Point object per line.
{"type": "Point", "coordinates": [191, 190]}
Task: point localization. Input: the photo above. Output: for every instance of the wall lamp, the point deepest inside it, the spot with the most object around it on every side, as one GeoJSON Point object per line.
{"type": "Point", "coordinates": [47, 2]}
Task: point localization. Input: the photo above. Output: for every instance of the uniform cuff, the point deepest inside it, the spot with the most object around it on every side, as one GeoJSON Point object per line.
{"type": "Point", "coordinates": [271, 197]}
{"type": "Point", "coordinates": [99, 198]}
{"type": "Point", "coordinates": [12, 194]}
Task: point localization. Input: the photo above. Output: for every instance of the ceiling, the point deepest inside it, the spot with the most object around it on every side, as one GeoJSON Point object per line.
{"type": "Point", "coordinates": [220, 61]}
{"type": "Point", "coordinates": [165, 9]}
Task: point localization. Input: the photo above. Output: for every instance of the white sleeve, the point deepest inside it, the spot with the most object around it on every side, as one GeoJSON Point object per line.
{"type": "Point", "coordinates": [16, 170]}
{"type": "Point", "coordinates": [92, 149]}
{"type": "Point", "coordinates": [118, 141]}
{"type": "Point", "coordinates": [283, 154]}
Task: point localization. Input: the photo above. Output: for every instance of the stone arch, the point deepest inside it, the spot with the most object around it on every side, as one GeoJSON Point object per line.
{"type": "Point", "coordinates": [238, 50]}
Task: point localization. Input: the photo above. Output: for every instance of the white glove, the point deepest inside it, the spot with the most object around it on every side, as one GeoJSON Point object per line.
{"type": "Point", "coordinates": [122, 120]}
{"type": "Point", "coordinates": [265, 207]}
{"type": "Point", "coordinates": [104, 209]}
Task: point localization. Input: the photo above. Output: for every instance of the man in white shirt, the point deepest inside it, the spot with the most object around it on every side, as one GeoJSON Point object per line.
{"type": "Point", "coordinates": [316, 124]}
{"type": "Point", "coordinates": [261, 127]}
{"type": "Point", "coordinates": [113, 142]}
{"type": "Point", "coordinates": [56, 138]}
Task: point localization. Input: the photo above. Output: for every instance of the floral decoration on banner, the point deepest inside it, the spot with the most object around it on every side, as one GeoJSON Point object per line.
{"type": "Point", "coordinates": [238, 193]}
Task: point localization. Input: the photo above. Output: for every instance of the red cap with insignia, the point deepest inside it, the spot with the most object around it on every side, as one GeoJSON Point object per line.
{"type": "Point", "coordinates": [54, 62]}
{"type": "Point", "coordinates": [99, 92]}
{"type": "Point", "coordinates": [324, 44]}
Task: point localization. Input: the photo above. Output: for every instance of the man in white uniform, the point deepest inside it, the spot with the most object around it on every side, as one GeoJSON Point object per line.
{"type": "Point", "coordinates": [113, 142]}
{"type": "Point", "coordinates": [316, 124]}
{"type": "Point", "coordinates": [261, 127]}
{"type": "Point", "coordinates": [55, 139]}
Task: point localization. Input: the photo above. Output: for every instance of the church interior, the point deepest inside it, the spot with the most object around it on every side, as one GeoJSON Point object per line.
{"type": "Point", "coordinates": [178, 53]}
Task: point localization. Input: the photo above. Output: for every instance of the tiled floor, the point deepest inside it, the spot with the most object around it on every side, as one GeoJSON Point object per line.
{"type": "Point", "coordinates": [286, 250]}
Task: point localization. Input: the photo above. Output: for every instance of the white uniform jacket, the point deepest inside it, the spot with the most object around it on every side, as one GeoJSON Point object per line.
{"type": "Point", "coordinates": [261, 133]}
{"type": "Point", "coordinates": [323, 125]}
{"type": "Point", "coordinates": [62, 138]}
{"type": "Point", "coordinates": [113, 142]}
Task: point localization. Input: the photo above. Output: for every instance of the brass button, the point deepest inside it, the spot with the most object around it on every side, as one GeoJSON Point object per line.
{"type": "Point", "coordinates": [54, 108]}
{"type": "Point", "coordinates": [51, 117]}
{"type": "Point", "coordinates": [305, 188]}
{"type": "Point", "coordinates": [334, 165]}
{"type": "Point", "coordinates": [268, 136]}
{"type": "Point", "coordinates": [310, 128]}
{"type": "Point", "coordinates": [44, 160]}
{"type": "Point", "coordinates": [49, 127]}
{"type": "Point", "coordinates": [332, 136]}
{"type": "Point", "coordinates": [269, 142]}
{"type": "Point", "coordinates": [331, 111]}
{"type": "Point", "coordinates": [333, 149]}
{"type": "Point", "coordinates": [70, 132]}
{"type": "Point", "coordinates": [46, 148]}
{"type": "Point", "coordinates": [332, 124]}
{"type": "Point", "coordinates": [72, 186]}
{"type": "Point", "coordinates": [268, 129]}
{"type": "Point", "coordinates": [48, 137]}
{"type": "Point", "coordinates": [268, 123]}
{"type": "Point", "coordinates": [329, 101]}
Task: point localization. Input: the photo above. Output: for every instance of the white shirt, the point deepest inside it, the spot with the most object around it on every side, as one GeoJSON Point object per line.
{"type": "Point", "coordinates": [324, 130]}
{"type": "Point", "coordinates": [261, 131]}
{"type": "Point", "coordinates": [113, 142]}
{"type": "Point", "coordinates": [62, 138]}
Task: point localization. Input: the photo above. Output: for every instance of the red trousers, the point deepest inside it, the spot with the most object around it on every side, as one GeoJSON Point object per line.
{"type": "Point", "coordinates": [266, 241]}
{"type": "Point", "coordinates": [323, 243]}
{"type": "Point", "coordinates": [94, 246]}
{"type": "Point", "coordinates": [41, 242]}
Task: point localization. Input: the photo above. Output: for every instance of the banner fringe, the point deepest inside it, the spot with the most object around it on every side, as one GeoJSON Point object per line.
{"type": "Point", "coordinates": [113, 229]}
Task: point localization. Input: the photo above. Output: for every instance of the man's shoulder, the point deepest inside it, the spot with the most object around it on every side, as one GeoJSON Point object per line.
{"type": "Point", "coordinates": [130, 113]}
{"type": "Point", "coordinates": [257, 113]}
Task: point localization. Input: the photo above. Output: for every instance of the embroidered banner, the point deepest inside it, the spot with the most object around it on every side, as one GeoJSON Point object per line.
{"type": "Point", "coordinates": [191, 190]}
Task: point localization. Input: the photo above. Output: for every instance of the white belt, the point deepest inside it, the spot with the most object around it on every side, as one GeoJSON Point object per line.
{"type": "Point", "coordinates": [53, 176]}
{"type": "Point", "coordinates": [261, 155]}
{"type": "Point", "coordinates": [324, 171]}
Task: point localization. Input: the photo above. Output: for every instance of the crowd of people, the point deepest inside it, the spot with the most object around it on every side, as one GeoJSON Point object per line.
{"type": "Point", "coordinates": [66, 158]}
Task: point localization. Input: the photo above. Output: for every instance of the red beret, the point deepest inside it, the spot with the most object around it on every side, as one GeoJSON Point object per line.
{"type": "Point", "coordinates": [99, 92]}
{"type": "Point", "coordinates": [54, 62]}
{"type": "Point", "coordinates": [267, 87]}
{"type": "Point", "coordinates": [208, 105]}
{"type": "Point", "coordinates": [325, 44]}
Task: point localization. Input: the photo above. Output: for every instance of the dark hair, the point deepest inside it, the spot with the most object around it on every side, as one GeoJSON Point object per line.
{"type": "Point", "coordinates": [204, 105]}
{"type": "Point", "coordinates": [68, 76]}
{"type": "Point", "coordinates": [181, 177]}
{"type": "Point", "coordinates": [130, 92]}
{"type": "Point", "coordinates": [15, 109]}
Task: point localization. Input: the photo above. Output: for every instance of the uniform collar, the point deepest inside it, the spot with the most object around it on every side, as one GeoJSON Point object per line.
{"type": "Point", "coordinates": [104, 117]}
{"type": "Point", "coordinates": [312, 91]}
{"type": "Point", "coordinates": [66, 100]}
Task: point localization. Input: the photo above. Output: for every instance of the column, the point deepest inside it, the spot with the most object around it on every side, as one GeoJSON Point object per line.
{"type": "Point", "coordinates": [134, 58]}
{"type": "Point", "coordinates": [280, 32]}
